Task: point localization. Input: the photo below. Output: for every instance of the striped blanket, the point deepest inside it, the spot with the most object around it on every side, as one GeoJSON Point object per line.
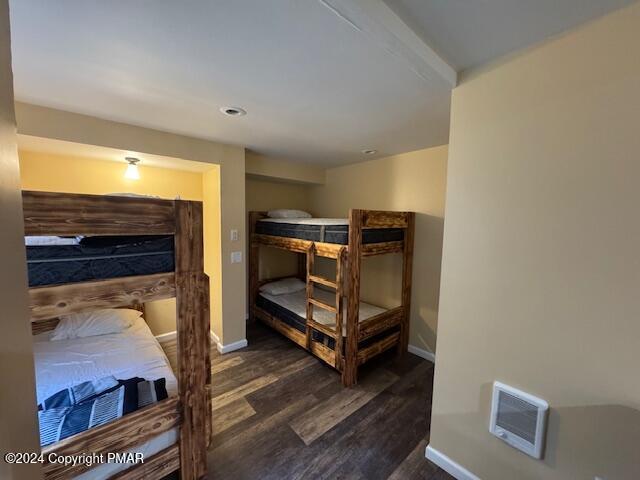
{"type": "Point", "coordinates": [90, 404]}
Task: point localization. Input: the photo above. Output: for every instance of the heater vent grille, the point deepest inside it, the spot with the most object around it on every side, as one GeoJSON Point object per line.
{"type": "Point", "coordinates": [519, 419]}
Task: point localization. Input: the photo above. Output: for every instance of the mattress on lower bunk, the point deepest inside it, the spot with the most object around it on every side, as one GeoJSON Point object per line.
{"type": "Point", "coordinates": [291, 308]}
{"type": "Point", "coordinates": [327, 230]}
{"type": "Point", "coordinates": [133, 353]}
{"type": "Point", "coordinates": [97, 258]}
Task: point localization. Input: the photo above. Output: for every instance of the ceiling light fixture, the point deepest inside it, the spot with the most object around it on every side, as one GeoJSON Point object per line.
{"type": "Point", "coordinates": [233, 111]}
{"type": "Point", "coordinates": [369, 151]}
{"type": "Point", "coordinates": [132, 172]}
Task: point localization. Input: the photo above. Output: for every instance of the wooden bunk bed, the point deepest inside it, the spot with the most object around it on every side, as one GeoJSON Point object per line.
{"type": "Point", "coordinates": [62, 214]}
{"type": "Point", "coordinates": [362, 339]}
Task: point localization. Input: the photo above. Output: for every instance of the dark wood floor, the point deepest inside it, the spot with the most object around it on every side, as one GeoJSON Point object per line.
{"type": "Point", "coordinates": [279, 413]}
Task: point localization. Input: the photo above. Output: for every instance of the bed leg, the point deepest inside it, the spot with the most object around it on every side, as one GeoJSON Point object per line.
{"type": "Point", "coordinates": [350, 371]}
{"type": "Point", "coordinates": [407, 272]}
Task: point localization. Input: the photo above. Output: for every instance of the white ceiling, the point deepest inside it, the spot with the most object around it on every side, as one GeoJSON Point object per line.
{"type": "Point", "coordinates": [468, 33]}
{"type": "Point", "coordinates": [321, 79]}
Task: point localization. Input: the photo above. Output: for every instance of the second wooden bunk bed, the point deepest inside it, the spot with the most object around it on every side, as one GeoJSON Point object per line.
{"type": "Point", "coordinates": [62, 214]}
{"type": "Point", "coordinates": [383, 331]}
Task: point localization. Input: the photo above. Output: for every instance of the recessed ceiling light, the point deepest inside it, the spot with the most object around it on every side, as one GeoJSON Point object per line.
{"type": "Point", "coordinates": [233, 111]}
{"type": "Point", "coordinates": [369, 151]}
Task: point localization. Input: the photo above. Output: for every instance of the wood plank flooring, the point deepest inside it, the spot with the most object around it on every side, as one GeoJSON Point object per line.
{"type": "Point", "coordinates": [279, 413]}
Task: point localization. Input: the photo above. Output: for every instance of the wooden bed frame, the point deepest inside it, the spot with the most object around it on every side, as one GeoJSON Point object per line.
{"type": "Point", "coordinates": [64, 214]}
{"type": "Point", "coordinates": [348, 259]}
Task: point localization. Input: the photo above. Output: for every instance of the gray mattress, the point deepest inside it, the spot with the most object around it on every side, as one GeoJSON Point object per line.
{"type": "Point", "coordinates": [99, 258]}
{"type": "Point", "coordinates": [324, 230]}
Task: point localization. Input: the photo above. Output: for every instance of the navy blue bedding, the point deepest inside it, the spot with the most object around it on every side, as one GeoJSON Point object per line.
{"type": "Point", "coordinates": [99, 258]}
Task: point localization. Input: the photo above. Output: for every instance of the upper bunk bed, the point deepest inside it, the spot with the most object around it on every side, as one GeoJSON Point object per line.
{"type": "Point", "coordinates": [135, 250]}
{"type": "Point", "coordinates": [353, 335]}
{"type": "Point", "coordinates": [380, 232]}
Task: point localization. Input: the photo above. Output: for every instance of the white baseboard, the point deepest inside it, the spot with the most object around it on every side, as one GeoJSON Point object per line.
{"type": "Point", "coordinates": [232, 346]}
{"type": "Point", "coordinates": [452, 468]}
{"type": "Point", "coordinates": [421, 352]}
{"type": "Point", "coordinates": [165, 337]}
{"type": "Point", "coordinates": [227, 348]}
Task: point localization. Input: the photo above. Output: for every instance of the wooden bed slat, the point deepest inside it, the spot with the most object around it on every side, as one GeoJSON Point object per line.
{"type": "Point", "coordinates": [68, 214]}
{"type": "Point", "coordinates": [323, 281]}
{"type": "Point", "coordinates": [51, 302]}
{"type": "Point", "coordinates": [324, 353]}
{"type": "Point", "coordinates": [381, 322]}
{"type": "Point", "coordinates": [327, 250]}
{"type": "Point", "coordinates": [328, 331]}
{"type": "Point", "coordinates": [374, 349]}
{"type": "Point", "coordinates": [278, 325]}
{"type": "Point", "coordinates": [373, 249]}
{"type": "Point", "coordinates": [384, 219]}
{"type": "Point", "coordinates": [155, 467]}
{"type": "Point", "coordinates": [323, 305]}
{"type": "Point", "coordinates": [116, 436]}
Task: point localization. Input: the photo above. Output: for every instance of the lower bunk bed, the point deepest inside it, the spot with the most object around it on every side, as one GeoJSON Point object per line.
{"type": "Point", "coordinates": [286, 313]}
{"type": "Point", "coordinates": [75, 384]}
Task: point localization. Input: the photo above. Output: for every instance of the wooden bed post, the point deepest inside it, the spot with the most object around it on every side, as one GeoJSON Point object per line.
{"type": "Point", "coordinates": [407, 271]}
{"type": "Point", "coordinates": [340, 308]}
{"type": "Point", "coordinates": [350, 370]}
{"type": "Point", "coordinates": [193, 339]}
{"type": "Point", "coordinates": [254, 262]}
{"type": "Point", "coordinates": [311, 255]}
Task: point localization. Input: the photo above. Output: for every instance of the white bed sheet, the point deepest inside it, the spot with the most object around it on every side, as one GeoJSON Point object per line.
{"type": "Point", "coordinates": [297, 303]}
{"type": "Point", "coordinates": [132, 353]}
{"type": "Point", "coordinates": [37, 241]}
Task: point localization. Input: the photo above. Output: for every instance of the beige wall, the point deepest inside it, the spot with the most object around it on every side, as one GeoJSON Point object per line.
{"type": "Point", "coordinates": [56, 124]}
{"type": "Point", "coordinates": [65, 173]}
{"type": "Point", "coordinates": [270, 168]}
{"type": "Point", "coordinates": [263, 195]}
{"type": "Point", "coordinates": [412, 181]}
{"type": "Point", "coordinates": [540, 281]}
{"type": "Point", "coordinates": [18, 418]}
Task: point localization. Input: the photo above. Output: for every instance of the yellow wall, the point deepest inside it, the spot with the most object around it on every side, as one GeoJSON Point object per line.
{"type": "Point", "coordinates": [412, 181]}
{"type": "Point", "coordinates": [540, 280]}
{"type": "Point", "coordinates": [18, 417]}
{"type": "Point", "coordinates": [41, 171]}
{"type": "Point", "coordinates": [212, 260]}
{"type": "Point", "coordinates": [55, 124]}
{"type": "Point", "coordinates": [58, 173]}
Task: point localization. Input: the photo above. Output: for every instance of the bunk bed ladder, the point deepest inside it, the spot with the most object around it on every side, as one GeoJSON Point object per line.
{"type": "Point", "coordinates": [312, 302]}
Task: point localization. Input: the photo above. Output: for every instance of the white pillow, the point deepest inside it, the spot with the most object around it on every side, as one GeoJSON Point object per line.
{"type": "Point", "coordinates": [284, 286]}
{"type": "Point", "coordinates": [97, 322]}
{"type": "Point", "coordinates": [284, 213]}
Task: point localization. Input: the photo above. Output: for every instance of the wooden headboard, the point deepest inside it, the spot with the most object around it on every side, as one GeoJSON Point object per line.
{"type": "Point", "coordinates": [41, 326]}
